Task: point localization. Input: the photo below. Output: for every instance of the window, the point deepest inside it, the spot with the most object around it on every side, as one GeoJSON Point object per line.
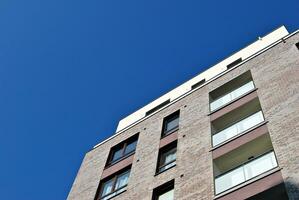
{"type": "Point", "coordinates": [157, 107]}
{"type": "Point", "coordinates": [297, 45]}
{"type": "Point", "coordinates": [164, 192]}
{"type": "Point", "coordinates": [234, 63]}
{"type": "Point", "coordinates": [167, 195]}
{"type": "Point", "coordinates": [167, 157]}
{"type": "Point", "coordinates": [114, 185]}
{"type": "Point", "coordinates": [196, 85]}
{"type": "Point", "coordinates": [122, 150]}
{"type": "Point", "coordinates": [170, 123]}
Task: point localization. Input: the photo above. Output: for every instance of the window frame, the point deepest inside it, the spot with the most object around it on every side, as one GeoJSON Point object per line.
{"type": "Point", "coordinates": [168, 119]}
{"type": "Point", "coordinates": [114, 179]}
{"type": "Point", "coordinates": [162, 189]}
{"type": "Point", "coordinates": [121, 146]}
{"type": "Point", "coordinates": [165, 150]}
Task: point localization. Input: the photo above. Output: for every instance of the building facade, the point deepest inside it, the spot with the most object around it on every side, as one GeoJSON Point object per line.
{"type": "Point", "coordinates": [232, 132]}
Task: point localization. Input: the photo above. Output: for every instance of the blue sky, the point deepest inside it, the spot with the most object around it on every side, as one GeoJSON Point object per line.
{"type": "Point", "coordinates": [69, 70]}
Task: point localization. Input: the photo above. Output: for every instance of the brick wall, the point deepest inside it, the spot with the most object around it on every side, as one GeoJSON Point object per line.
{"type": "Point", "coordinates": [275, 74]}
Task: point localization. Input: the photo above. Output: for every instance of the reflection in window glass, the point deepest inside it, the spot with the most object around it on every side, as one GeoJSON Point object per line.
{"type": "Point", "coordinates": [122, 180]}
{"type": "Point", "coordinates": [107, 187]}
{"type": "Point", "coordinates": [167, 158]}
{"type": "Point", "coordinates": [115, 185]}
{"type": "Point", "coordinates": [164, 192]}
{"type": "Point", "coordinates": [130, 147]}
{"type": "Point", "coordinates": [167, 196]}
{"type": "Point", "coordinates": [174, 123]}
{"type": "Point", "coordinates": [117, 155]}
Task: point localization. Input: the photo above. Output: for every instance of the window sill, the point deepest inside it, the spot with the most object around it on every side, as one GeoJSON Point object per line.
{"type": "Point", "coordinates": [114, 195]}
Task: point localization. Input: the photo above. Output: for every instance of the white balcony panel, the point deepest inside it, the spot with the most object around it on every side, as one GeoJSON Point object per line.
{"type": "Point", "coordinates": [231, 96]}
{"type": "Point", "coordinates": [238, 128]}
{"type": "Point", "coordinates": [260, 165]}
{"type": "Point", "coordinates": [245, 172]}
{"type": "Point", "coordinates": [229, 180]}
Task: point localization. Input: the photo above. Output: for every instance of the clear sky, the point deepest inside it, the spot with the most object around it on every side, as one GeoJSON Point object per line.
{"type": "Point", "coordinates": [69, 70]}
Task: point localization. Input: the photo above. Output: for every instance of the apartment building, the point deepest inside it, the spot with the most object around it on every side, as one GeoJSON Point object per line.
{"type": "Point", "coordinates": [230, 133]}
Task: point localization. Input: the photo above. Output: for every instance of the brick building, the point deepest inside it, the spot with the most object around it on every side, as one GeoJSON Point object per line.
{"type": "Point", "coordinates": [231, 132]}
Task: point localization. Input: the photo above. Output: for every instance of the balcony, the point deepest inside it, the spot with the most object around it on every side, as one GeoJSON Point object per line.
{"type": "Point", "coordinates": [232, 169]}
{"type": "Point", "coordinates": [231, 91]}
{"type": "Point", "coordinates": [245, 172]}
{"type": "Point", "coordinates": [237, 128]}
{"type": "Point", "coordinates": [236, 122]}
{"type": "Point", "coordinates": [231, 96]}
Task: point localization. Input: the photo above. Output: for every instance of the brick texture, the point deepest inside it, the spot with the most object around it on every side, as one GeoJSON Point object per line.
{"type": "Point", "coordinates": [275, 74]}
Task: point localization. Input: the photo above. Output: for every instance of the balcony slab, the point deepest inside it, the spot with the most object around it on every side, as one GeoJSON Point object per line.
{"type": "Point", "coordinates": [240, 140]}
{"type": "Point", "coordinates": [233, 105]}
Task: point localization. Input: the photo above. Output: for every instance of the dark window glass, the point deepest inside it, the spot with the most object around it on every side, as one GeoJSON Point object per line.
{"type": "Point", "coordinates": [167, 157]}
{"type": "Point", "coordinates": [122, 150]}
{"type": "Point", "coordinates": [297, 45]}
{"type": "Point", "coordinates": [157, 107]}
{"type": "Point", "coordinates": [196, 85]}
{"type": "Point", "coordinates": [114, 185]}
{"type": "Point", "coordinates": [130, 147]}
{"type": "Point", "coordinates": [171, 123]}
{"type": "Point", "coordinates": [234, 63]}
{"type": "Point", "coordinates": [117, 154]}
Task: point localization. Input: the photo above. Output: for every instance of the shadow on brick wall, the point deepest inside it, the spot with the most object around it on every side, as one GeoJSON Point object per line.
{"type": "Point", "coordinates": [292, 189]}
{"type": "Point", "coordinates": [279, 192]}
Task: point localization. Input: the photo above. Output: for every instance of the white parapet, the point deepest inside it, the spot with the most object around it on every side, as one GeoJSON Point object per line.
{"type": "Point", "coordinates": [210, 73]}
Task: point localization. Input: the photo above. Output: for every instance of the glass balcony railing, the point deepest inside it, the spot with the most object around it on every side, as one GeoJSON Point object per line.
{"type": "Point", "coordinates": [231, 96]}
{"type": "Point", "coordinates": [238, 128]}
{"type": "Point", "coordinates": [245, 172]}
